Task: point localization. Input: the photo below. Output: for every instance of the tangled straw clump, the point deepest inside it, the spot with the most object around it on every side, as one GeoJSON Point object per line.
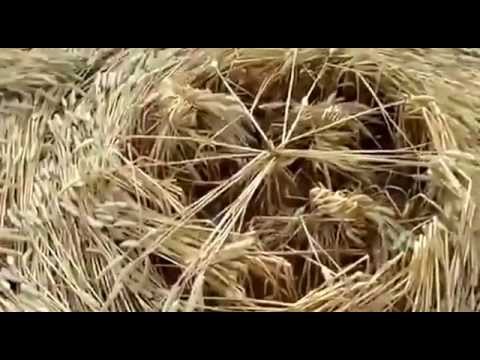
{"type": "Point", "coordinates": [239, 180]}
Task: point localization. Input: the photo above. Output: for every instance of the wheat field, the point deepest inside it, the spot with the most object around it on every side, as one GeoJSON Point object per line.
{"type": "Point", "coordinates": [240, 179]}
